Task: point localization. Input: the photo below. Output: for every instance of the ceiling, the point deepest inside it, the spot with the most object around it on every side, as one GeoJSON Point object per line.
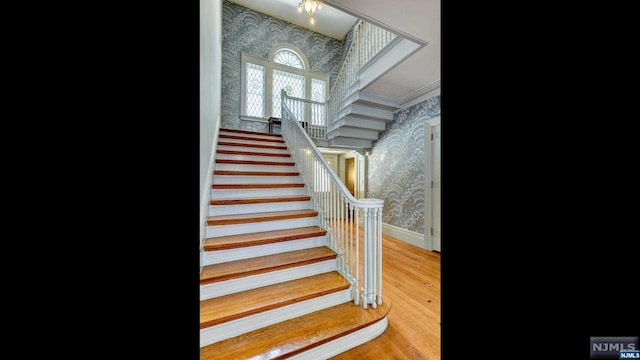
{"type": "Point", "coordinates": [329, 21]}
{"type": "Point", "coordinates": [413, 80]}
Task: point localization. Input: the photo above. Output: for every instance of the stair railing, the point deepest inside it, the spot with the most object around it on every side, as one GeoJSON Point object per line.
{"type": "Point", "coordinates": [368, 40]}
{"type": "Point", "coordinates": [351, 223]}
{"type": "Point", "coordinates": [312, 115]}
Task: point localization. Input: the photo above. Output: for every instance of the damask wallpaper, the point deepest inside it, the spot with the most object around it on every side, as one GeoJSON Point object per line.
{"type": "Point", "coordinates": [397, 169]}
{"type": "Point", "coordinates": [245, 30]}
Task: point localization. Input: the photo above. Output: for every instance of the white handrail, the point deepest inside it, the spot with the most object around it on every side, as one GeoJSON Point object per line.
{"type": "Point", "coordinates": [339, 212]}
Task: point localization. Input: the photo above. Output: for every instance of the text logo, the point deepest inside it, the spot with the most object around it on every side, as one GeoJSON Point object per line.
{"type": "Point", "coordinates": [629, 354]}
{"type": "Point", "coordinates": [612, 347]}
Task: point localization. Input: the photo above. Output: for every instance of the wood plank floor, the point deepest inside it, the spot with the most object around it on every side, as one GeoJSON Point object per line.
{"type": "Point", "coordinates": [411, 282]}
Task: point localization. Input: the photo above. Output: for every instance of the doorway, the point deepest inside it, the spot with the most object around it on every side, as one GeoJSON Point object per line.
{"type": "Point", "coordinates": [433, 185]}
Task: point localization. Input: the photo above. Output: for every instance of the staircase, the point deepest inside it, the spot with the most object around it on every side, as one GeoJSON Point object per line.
{"type": "Point", "coordinates": [360, 119]}
{"type": "Point", "coordinates": [269, 288]}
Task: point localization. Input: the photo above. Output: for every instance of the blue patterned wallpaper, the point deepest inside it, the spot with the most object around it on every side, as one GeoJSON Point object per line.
{"type": "Point", "coordinates": [396, 167]}
{"type": "Point", "coordinates": [245, 30]}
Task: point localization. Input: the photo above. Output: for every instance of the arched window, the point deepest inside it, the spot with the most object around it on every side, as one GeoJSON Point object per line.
{"type": "Point", "coordinates": [262, 80]}
{"type": "Point", "coordinates": [288, 57]}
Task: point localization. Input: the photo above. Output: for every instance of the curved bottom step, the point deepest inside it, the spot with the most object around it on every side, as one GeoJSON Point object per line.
{"type": "Point", "coordinates": [315, 336]}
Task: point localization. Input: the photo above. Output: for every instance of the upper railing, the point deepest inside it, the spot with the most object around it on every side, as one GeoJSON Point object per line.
{"type": "Point", "coordinates": [368, 40]}
{"type": "Point", "coordinates": [351, 224]}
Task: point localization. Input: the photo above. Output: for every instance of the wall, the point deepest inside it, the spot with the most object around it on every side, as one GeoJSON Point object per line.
{"type": "Point", "coordinates": [210, 91]}
{"type": "Point", "coordinates": [245, 30]}
{"type": "Point", "coordinates": [397, 166]}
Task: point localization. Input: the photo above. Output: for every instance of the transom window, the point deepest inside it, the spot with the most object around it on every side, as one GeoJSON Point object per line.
{"type": "Point", "coordinates": [289, 58]}
{"type": "Point", "coordinates": [286, 69]}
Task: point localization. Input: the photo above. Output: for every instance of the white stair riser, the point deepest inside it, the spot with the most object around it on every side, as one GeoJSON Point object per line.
{"type": "Point", "coordinates": [256, 179]}
{"type": "Point", "coordinates": [223, 256]}
{"type": "Point", "coordinates": [255, 142]}
{"type": "Point", "coordinates": [254, 158]}
{"type": "Point", "coordinates": [256, 193]}
{"type": "Point", "coordinates": [256, 136]}
{"type": "Point", "coordinates": [350, 143]}
{"type": "Point", "coordinates": [217, 210]}
{"type": "Point", "coordinates": [231, 286]}
{"type": "Point", "coordinates": [344, 343]}
{"type": "Point", "coordinates": [240, 147]}
{"type": "Point", "coordinates": [354, 133]}
{"type": "Point", "coordinates": [263, 319]}
{"type": "Point", "coordinates": [235, 229]}
{"type": "Point", "coordinates": [354, 122]}
{"type": "Point", "coordinates": [246, 167]}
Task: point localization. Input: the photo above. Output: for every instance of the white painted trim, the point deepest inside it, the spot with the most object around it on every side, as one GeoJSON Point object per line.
{"type": "Point", "coordinates": [222, 256]}
{"type": "Point", "coordinates": [245, 324]}
{"type": "Point", "coordinates": [235, 229]}
{"type": "Point", "coordinates": [408, 236]}
{"type": "Point", "coordinates": [420, 95]}
{"type": "Point", "coordinates": [344, 343]}
{"type": "Point", "coordinates": [428, 123]}
{"type": "Point", "coordinates": [231, 286]}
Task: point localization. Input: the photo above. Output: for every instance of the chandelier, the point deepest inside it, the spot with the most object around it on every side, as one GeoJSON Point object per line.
{"type": "Point", "coordinates": [310, 6]}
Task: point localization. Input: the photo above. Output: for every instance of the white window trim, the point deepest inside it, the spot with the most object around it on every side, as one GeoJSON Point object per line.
{"type": "Point", "coordinates": [269, 66]}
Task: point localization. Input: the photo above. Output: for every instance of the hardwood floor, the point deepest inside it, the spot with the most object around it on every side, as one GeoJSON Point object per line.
{"type": "Point", "coordinates": [411, 283]}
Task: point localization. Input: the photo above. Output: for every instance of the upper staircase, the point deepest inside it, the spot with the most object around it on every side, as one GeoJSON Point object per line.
{"type": "Point", "coordinates": [270, 286]}
{"type": "Point", "coordinates": [355, 118]}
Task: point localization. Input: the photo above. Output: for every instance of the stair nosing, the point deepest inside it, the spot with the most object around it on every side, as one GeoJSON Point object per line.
{"type": "Point", "coordinates": [262, 146]}
{"type": "Point", "coordinates": [312, 231]}
{"type": "Point", "coordinates": [250, 132]}
{"type": "Point", "coordinates": [274, 267]}
{"type": "Point", "coordinates": [265, 200]}
{"type": "Point", "coordinates": [254, 173]}
{"type": "Point", "coordinates": [276, 303]}
{"type": "Point", "coordinates": [257, 186]}
{"type": "Point", "coordinates": [251, 153]}
{"type": "Point", "coordinates": [254, 162]}
{"type": "Point", "coordinates": [260, 217]}
{"type": "Point", "coordinates": [236, 137]}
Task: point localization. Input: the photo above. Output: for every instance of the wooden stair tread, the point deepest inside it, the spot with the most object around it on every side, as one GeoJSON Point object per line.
{"type": "Point", "coordinates": [250, 153]}
{"type": "Point", "coordinates": [233, 306]}
{"type": "Point", "coordinates": [262, 146]}
{"type": "Point", "coordinates": [258, 200]}
{"type": "Point", "coordinates": [262, 264]}
{"type": "Point", "coordinates": [296, 335]}
{"type": "Point", "coordinates": [250, 132]}
{"type": "Point", "coordinates": [240, 137]}
{"type": "Point", "coordinates": [261, 238]}
{"type": "Point", "coordinates": [257, 186]}
{"type": "Point", "coordinates": [259, 217]}
{"type": "Point", "coordinates": [255, 173]}
{"type": "Point", "coordinates": [254, 162]}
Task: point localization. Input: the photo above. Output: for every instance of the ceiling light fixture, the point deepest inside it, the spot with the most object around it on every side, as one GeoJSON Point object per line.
{"type": "Point", "coordinates": [310, 6]}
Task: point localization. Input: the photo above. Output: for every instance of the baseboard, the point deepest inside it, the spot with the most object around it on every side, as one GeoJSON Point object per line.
{"type": "Point", "coordinates": [408, 236]}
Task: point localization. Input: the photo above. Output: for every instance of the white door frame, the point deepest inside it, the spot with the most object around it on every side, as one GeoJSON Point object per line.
{"type": "Point", "coordinates": [428, 218]}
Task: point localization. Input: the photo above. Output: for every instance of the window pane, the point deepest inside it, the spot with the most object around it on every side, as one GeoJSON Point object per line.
{"type": "Point", "coordinates": [289, 58]}
{"type": "Point", "coordinates": [255, 90]}
{"type": "Point", "coordinates": [318, 92]}
{"type": "Point", "coordinates": [294, 86]}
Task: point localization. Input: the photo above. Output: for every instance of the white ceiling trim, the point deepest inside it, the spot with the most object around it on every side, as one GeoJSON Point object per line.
{"type": "Point", "coordinates": [420, 95]}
